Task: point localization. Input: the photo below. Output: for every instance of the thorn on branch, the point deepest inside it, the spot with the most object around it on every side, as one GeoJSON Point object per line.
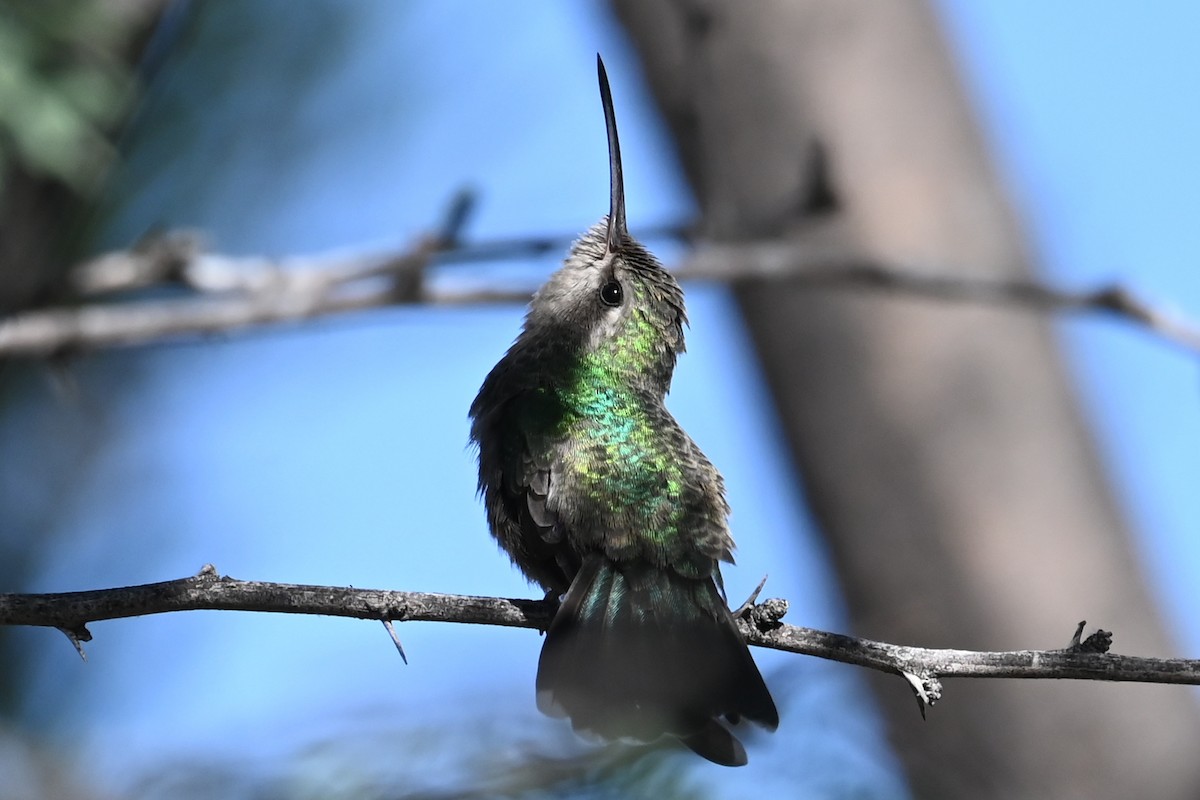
{"type": "Point", "coordinates": [391, 629]}
{"type": "Point", "coordinates": [746, 606]}
{"type": "Point", "coordinates": [926, 688]}
{"type": "Point", "coordinates": [77, 634]}
{"type": "Point", "coordinates": [1078, 632]}
{"type": "Point", "coordinates": [1098, 642]}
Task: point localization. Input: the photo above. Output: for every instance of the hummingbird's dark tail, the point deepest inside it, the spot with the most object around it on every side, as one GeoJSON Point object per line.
{"type": "Point", "coordinates": [638, 651]}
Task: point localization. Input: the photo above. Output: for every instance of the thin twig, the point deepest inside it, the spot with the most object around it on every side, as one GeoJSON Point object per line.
{"type": "Point", "coordinates": [232, 293]}
{"type": "Point", "coordinates": [922, 667]}
{"type": "Point", "coordinates": [228, 293]}
{"type": "Point", "coordinates": [822, 263]}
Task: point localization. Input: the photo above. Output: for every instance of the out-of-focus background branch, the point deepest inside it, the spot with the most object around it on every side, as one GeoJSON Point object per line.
{"type": "Point", "coordinates": [229, 293]}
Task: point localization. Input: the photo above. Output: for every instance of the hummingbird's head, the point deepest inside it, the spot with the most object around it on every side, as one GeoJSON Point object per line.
{"type": "Point", "coordinates": [612, 292]}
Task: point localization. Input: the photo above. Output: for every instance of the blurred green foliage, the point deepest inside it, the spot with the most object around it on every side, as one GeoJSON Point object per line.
{"type": "Point", "coordinates": [65, 85]}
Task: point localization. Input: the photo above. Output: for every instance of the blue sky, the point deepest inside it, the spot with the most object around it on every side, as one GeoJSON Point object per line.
{"type": "Point", "coordinates": [336, 453]}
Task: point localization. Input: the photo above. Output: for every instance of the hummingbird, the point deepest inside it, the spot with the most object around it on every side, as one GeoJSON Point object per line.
{"type": "Point", "coordinates": [599, 496]}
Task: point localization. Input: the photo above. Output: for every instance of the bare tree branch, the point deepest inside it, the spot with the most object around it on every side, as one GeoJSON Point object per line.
{"type": "Point", "coordinates": [71, 612]}
{"type": "Point", "coordinates": [228, 293]}
{"type": "Point", "coordinates": [821, 268]}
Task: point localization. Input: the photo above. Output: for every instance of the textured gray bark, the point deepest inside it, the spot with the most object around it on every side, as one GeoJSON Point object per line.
{"type": "Point", "coordinates": [941, 448]}
{"type": "Point", "coordinates": [72, 612]}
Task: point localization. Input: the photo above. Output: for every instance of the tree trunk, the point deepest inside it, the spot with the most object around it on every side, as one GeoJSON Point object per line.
{"type": "Point", "coordinates": [941, 447]}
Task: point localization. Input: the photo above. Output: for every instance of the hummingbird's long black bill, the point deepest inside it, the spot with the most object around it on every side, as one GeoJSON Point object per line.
{"type": "Point", "coordinates": [616, 184]}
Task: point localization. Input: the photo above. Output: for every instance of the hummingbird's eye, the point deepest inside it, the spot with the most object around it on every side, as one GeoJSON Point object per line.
{"type": "Point", "coordinates": [611, 293]}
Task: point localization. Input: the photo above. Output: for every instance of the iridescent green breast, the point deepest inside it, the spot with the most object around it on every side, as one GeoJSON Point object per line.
{"type": "Point", "coordinates": [618, 458]}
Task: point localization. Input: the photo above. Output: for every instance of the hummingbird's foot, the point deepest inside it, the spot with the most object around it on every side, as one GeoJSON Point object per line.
{"type": "Point", "coordinates": [749, 604]}
{"type": "Point", "coordinates": [553, 599]}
